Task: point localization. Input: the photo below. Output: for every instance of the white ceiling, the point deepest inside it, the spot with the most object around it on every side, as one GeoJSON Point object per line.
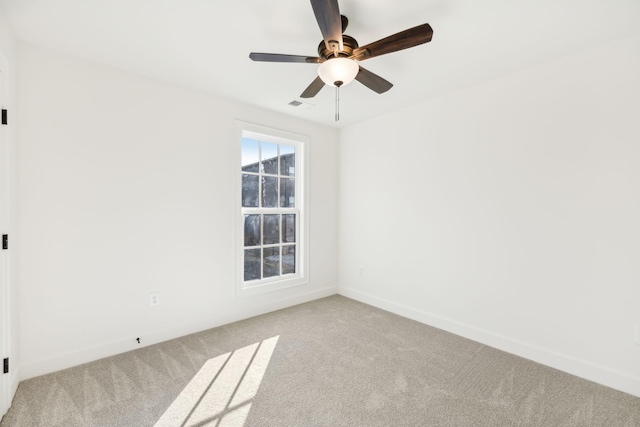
{"type": "Point", "coordinates": [205, 44]}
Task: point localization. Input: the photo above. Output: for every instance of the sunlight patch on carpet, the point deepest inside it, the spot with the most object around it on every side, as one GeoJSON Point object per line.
{"type": "Point", "coordinates": [220, 394]}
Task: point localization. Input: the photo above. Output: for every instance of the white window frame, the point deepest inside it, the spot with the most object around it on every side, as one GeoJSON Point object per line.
{"type": "Point", "coordinates": [301, 143]}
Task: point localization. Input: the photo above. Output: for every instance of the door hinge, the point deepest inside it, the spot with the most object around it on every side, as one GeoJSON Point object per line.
{"type": "Point", "coordinates": [4, 117]}
{"type": "Point", "coordinates": [5, 241]}
{"type": "Point", "coordinates": [6, 366]}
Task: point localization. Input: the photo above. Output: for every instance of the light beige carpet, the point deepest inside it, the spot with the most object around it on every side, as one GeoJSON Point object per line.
{"type": "Point", "coordinates": [331, 362]}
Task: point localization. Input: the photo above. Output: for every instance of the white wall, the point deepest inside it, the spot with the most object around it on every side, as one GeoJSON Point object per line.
{"type": "Point", "coordinates": [9, 64]}
{"type": "Point", "coordinates": [126, 188]}
{"type": "Point", "coordinates": [508, 213]}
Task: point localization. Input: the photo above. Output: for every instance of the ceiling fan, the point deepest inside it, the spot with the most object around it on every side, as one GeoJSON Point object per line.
{"type": "Point", "coordinates": [339, 52]}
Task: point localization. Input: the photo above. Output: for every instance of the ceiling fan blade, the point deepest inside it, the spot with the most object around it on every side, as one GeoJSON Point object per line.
{"type": "Point", "coordinates": [278, 57]}
{"type": "Point", "coordinates": [313, 88]}
{"type": "Point", "coordinates": [373, 81]}
{"type": "Point", "coordinates": [405, 39]}
{"type": "Point", "coordinates": [328, 16]}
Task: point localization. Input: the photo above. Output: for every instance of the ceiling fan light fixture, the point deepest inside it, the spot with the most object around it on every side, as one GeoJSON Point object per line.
{"type": "Point", "coordinates": [338, 72]}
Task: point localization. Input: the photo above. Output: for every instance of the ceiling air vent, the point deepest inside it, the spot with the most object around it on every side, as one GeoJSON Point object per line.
{"type": "Point", "coordinates": [300, 104]}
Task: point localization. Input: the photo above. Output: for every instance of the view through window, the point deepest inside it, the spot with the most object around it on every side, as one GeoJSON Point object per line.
{"type": "Point", "coordinates": [271, 209]}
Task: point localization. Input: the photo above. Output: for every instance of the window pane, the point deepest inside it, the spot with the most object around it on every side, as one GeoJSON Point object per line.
{"type": "Point", "coordinates": [288, 259]}
{"type": "Point", "coordinates": [251, 264]}
{"type": "Point", "coordinates": [288, 228]}
{"type": "Point", "coordinates": [250, 155]}
{"type": "Point", "coordinates": [287, 193]}
{"type": "Point", "coordinates": [250, 185]}
{"type": "Point", "coordinates": [251, 230]}
{"type": "Point", "coordinates": [270, 158]}
{"type": "Point", "coordinates": [271, 229]}
{"type": "Point", "coordinates": [269, 192]}
{"type": "Point", "coordinates": [271, 262]}
{"type": "Point", "coordinates": [287, 160]}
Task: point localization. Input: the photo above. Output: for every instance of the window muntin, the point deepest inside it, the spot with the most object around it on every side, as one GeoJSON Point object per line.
{"type": "Point", "coordinates": [272, 211]}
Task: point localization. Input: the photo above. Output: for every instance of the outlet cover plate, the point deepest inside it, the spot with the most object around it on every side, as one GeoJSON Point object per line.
{"type": "Point", "coordinates": [154, 298]}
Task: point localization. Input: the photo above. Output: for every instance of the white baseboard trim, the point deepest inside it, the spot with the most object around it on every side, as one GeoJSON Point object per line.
{"type": "Point", "coordinates": [599, 374]}
{"type": "Point", "coordinates": [68, 360]}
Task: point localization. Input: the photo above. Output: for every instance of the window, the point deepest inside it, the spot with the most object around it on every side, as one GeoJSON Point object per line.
{"type": "Point", "coordinates": [271, 212]}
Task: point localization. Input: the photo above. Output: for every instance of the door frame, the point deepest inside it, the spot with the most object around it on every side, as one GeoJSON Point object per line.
{"type": "Point", "coordinates": [5, 304]}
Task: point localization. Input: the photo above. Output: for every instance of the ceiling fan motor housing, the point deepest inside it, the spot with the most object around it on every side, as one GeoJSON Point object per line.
{"type": "Point", "coordinates": [348, 42]}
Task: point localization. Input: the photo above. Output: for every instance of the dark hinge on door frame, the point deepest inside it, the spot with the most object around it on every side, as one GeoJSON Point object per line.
{"type": "Point", "coordinates": [5, 241]}
{"type": "Point", "coordinates": [6, 365]}
{"type": "Point", "coordinates": [4, 117]}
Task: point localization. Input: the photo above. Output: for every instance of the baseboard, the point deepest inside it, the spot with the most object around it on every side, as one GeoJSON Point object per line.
{"type": "Point", "coordinates": [68, 360]}
{"type": "Point", "coordinates": [580, 368]}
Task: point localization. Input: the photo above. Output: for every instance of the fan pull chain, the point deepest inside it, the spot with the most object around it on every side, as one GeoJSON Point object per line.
{"type": "Point", "coordinates": [338, 84]}
{"type": "Point", "coordinates": [337, 103]}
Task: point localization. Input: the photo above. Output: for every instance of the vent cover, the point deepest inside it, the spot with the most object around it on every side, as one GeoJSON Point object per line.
{"type": "Point", "coordinates": [300, 104]}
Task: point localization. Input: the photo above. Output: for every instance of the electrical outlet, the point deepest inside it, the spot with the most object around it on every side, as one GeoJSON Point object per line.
{"type": "Point", "coordinates": [361, 272]}
{"type": "Point", "coordinates": [154, 298]}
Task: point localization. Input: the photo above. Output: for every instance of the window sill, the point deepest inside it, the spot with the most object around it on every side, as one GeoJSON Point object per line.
{"type": "Point", "coordinates": [265, 286]}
